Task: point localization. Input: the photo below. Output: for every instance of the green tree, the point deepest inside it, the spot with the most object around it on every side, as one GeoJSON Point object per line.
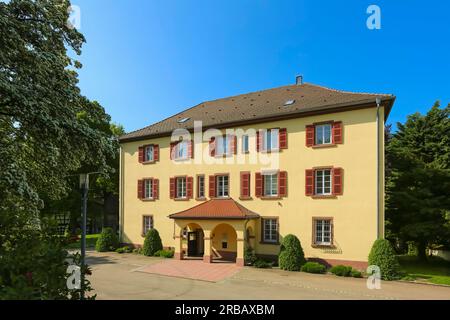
{"type": "Point", "coordinates": [291, 255]}
{"type": "Point", "coordinates": [418, 180]}
{"type": "Point", "coordinates": [152, 243]}
{"type": "Point", "coordinates": [48, 130]}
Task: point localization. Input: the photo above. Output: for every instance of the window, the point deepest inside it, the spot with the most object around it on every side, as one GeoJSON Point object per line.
{"type": "Point", "coordinates": [323, 134]}
{"type": "Point", "coordinates": [148, 153]}
{"type": "Point", "coordinates": [200, 187]}
{"type": "Point", "coordinates": [223, 145]}
{"type": "Point", "coordinates": [181, 187]}
{"type": "Point", "coordinates": [271, 139]}
{"type": "Point", "coordinates": [270, 230]}
{"type": "Point", "coordinates": [147, 224]}
{"type": "Point", "coordinates": [323, 182]}
{"type": "Point", "coordinates": [322, 232]}
{"type": "Point", "coordinates": [222, 186]}
{"type": "Point", "coordinates": [181, 150]}
{"type": "Point", "coordinates": [271, 185]}
{"type": "Point", "coordinates": [245, 144]}
{"type": "Point", "coordinates": [148, 189]}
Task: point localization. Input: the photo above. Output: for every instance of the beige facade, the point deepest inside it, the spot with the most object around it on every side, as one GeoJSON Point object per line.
{"type": "Point", "coordinates": [356, 220]}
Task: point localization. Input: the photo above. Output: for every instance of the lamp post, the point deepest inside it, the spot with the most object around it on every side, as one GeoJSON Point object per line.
{"type": "Point", "coordinates": [84, 186]}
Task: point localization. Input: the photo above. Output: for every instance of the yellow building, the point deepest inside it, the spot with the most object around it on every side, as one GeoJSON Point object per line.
{"type": "Point", "coordinates": [248, 170]}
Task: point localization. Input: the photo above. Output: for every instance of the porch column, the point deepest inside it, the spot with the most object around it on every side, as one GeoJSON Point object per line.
{"type": "Point", "coordinates": [178, 255]}
{"type": "Point", "coordinates": [207, 254]}
{"type": "Point", "coordinates": [240, 248]}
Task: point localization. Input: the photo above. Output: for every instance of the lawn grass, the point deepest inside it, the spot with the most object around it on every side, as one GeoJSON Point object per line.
{"type": "Point", "coordinates": [91, 240]}
{"type": "Point", "coordinates": [435, 270]}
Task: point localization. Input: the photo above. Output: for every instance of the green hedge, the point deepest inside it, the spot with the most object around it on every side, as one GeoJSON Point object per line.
{"type": "Point", "coordinates": [152, 243]}
{"type": "Point", "coordinates": [164, 253]}
{"type": "Point", "coordinates": [341, 271]}
{"type": "Point", "coordinates": [291, 255]}
{"type": "Point", "coordinates": [313, 267]}
{"type": "Point", "coordinates": [249, 256]}
{"type": "Point", "coordinates": [107, 241]}
{"type": "Point", "coordinates": [383, 256]}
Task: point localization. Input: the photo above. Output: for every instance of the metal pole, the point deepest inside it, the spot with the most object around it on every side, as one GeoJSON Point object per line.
{"type": "Point", "coordinates": [83, 236]}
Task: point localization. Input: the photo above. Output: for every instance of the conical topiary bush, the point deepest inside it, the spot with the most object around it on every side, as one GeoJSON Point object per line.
{"type": "Point", "coordinates": [152, 243]}
{"type": "Point", "coordinates": [383, 256]}
{"type": "Point", "coordinates": [291, 256]}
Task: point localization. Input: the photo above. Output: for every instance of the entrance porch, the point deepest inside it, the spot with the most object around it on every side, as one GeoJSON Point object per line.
{"type": "Point", "coordinates": [214, 231]}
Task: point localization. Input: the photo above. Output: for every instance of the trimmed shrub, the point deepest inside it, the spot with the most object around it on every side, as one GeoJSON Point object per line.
{"type": "Point", "coordinates": [152, 243]}
{"type": "Point", "coordinates": [313, 267]}
{"type": "Point", "coordinates": [164, 253]}
{"type": "Point", "coordinates": [341, 271]}
{"type": "Point", "coordinates": [107, 241]}
{"type": "Point", "coordinates": [125, 249]}
{"type": "Point", "coordinates": [383, 256]}
{"type": "Point", "coordinates": [259, 263]}
{"type": "Point", "coordinates": [356, 274]}
{"type": "Point", "coordinates": [249, 256]}
{"type": "Point", "coordinates": [291, 255]}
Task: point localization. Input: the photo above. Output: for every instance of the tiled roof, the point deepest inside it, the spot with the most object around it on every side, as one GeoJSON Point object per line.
{"type": "Point", "coordinates": [256, 106]}
{"type": "Point", "coordinates": [216, 209]}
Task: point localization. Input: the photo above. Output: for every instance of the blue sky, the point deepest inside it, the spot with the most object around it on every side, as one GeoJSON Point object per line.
{"type": "Point", "coordinates": [146, 60]}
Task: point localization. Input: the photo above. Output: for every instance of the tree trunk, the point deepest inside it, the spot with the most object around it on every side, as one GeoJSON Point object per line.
{"type": "Point", "coordinates": [422, 251]}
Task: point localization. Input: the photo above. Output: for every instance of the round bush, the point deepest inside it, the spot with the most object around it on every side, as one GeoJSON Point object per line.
{"type": "Point", "coordinates": [383, 256]}
{"type": "Point", "coordinates": [341, 271]}
{"type": "Point", "coordinates": [313, 267]}
{"type": "Point", "coordinates": [152, 243]}
{"type": "Point", "coordinates": [107, 241]}
{"type": "Point", "coordinates": [249, 256]}
{"type": "Point", "coordinates": [356, 274]}
{"type": "Point", "coordinates": [262, 264]}
{"type": "Point", "coordinates": [291, 256]}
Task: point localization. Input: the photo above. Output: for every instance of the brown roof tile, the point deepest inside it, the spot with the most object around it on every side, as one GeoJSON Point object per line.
{"type": "Point", "coordinates": [256, 106]}
{"type": "Point", "coordinates": [216, 209]}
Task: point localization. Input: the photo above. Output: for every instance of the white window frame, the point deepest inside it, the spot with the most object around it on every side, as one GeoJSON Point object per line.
{"type": "Point", "coordinates": [223, 145]}
{"type": "Point", "coordinates": [181, 187]}
{"type": "Point", "coordinates": [270, 230]}
{"type": "Point", "coordinates": [270, 184]}
{"type": "Point", "coordinates": [149, 152]}
{"type": "Point", "coordinates": [271, 140]}
{"type": "Point", "coordinates": [181, 150]}
{"type": "Point", "coordinates": [222, 186]}
{"type": "Point", "coordinates": [148, 223]}
{"type": "Point", "coordinates": [321, 183]}
{"type": "Point", "coordinates": [148, 188]}
{"type": "Point", "coordinates": [245, 144]}
{"type": "Point", "coordinates": [321, 133]}
{"type": "Point", "coordinates": [323, 232]}
{"type": "Point", "coordinates": [201, 186]}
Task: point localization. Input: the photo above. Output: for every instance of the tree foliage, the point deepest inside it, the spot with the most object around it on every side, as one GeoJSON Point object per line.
{"type": "Point", "coordinates": [418, 179]}
{"type": "Point", "coordinates": [48, 132]}
{"type": "Point", "coordinates": [152, 243]}
{"type": "Point", "coordinates": [383, 255]}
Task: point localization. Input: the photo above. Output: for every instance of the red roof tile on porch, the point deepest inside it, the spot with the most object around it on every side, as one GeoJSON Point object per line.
{"type": "Point", "coordinates": [216, 209]}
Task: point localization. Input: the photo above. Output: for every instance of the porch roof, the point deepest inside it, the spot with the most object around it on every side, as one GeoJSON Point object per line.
{"type": "Point", "coordinates": [216, 209]}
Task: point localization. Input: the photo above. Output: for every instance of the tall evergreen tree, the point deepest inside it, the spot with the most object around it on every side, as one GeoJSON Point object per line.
{"type": "Point", "coordinates": [418, 179]}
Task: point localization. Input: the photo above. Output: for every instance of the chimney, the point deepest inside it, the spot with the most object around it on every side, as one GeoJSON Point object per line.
{"type": "Point", "coordinates": [299, 80]}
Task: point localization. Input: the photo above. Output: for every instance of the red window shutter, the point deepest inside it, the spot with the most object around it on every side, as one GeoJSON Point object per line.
{"type": "Point", "coordinates": [337, 132]}
{"type": "Point", "coordinates": [258, 184]}
{"type": "Point", "coordinates": [258, 140]}
{"type": "Point", "coordinates": [155, 190]}
{"type": "Point", "coordinates": [310, 132]}
{"type": "Point", "coordinates": [212, 186]}
{"type": "Point", "coordinates": [173, 187]}
{"type": "Point", "coordinates": [141, 154]}
{"type": "Point", "coordinates": [212, 147]}
{"type": "Point", "coordinates": [190, 149]}
{"type": "Point", "coordinates": [190, 187]}
{"type": "Point", "coordinates": [337, 181]}
{"type": "Point", "coordinates": [140, 189]}
{"type": "Point", "coordinates": [172, 150]}
{"type": "Point", "coordinates": [283, 138]}
{"type": "Point", "coordinates": [156, 152]}
{"type": "Point", "coordinates": [282, 183]}
{"type": "Point", "coordinates": [233, 146]}
{"type": "Point", "coordinates": [245, 184]}
{"type": "Point", "coordinates": [309, 182]}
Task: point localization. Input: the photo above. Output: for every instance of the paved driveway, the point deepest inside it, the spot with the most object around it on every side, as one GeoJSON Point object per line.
{"type": "Point", "coordinates": [117, 277]}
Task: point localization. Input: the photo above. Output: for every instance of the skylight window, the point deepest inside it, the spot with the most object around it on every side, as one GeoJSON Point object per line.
{"type": "Point", "coordinates": [289, 102]}
{"type": "Point", "coordinates": [183, 120]}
